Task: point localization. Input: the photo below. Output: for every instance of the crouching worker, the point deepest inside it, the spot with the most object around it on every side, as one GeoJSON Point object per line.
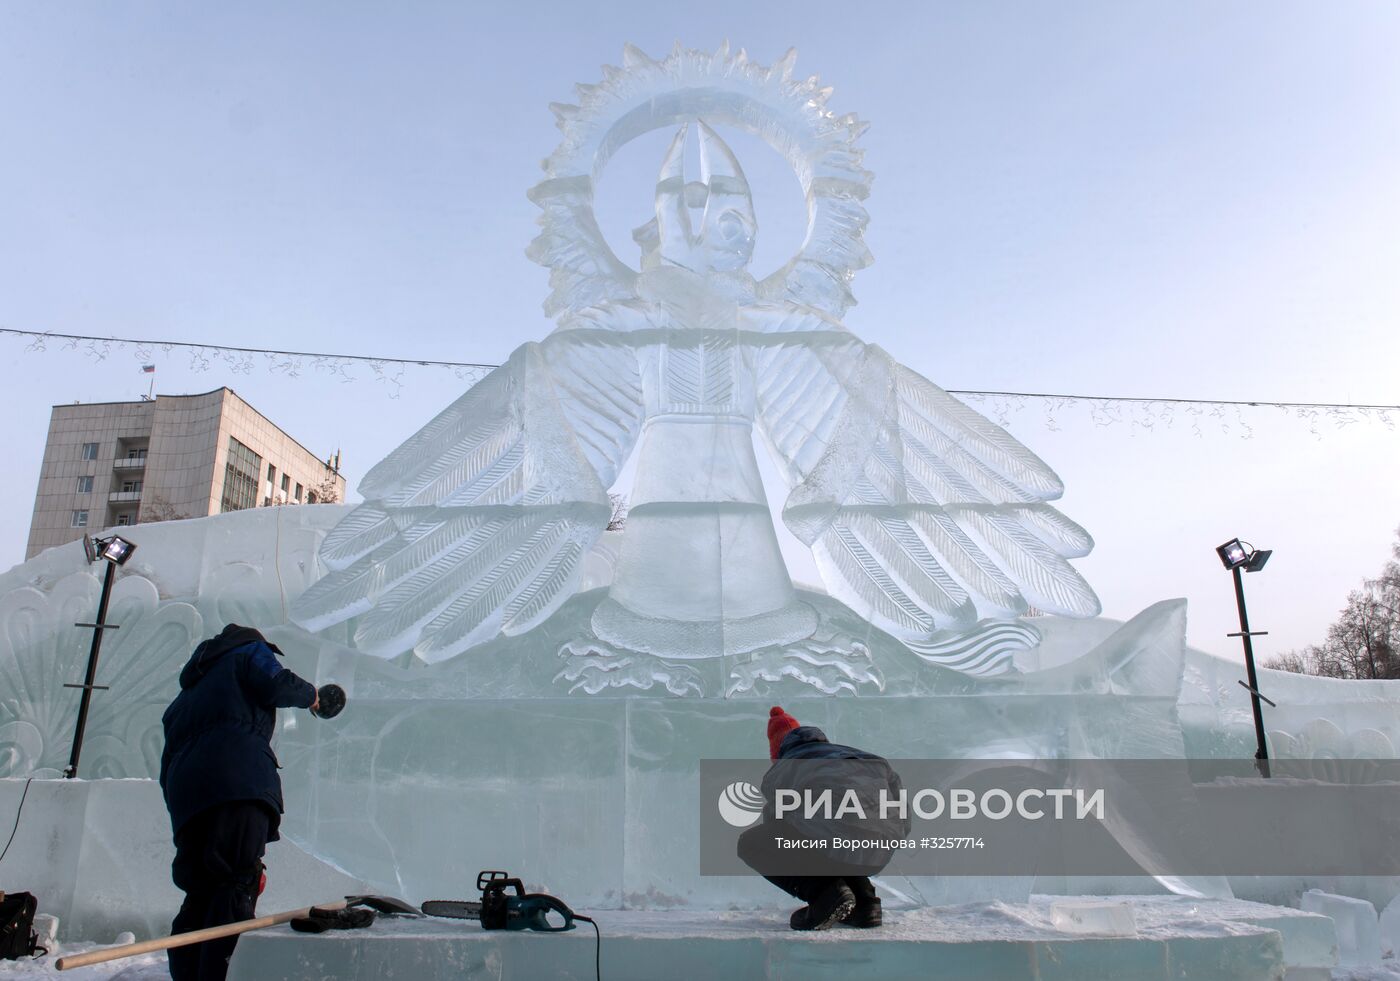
{"type": "Point", "coordinates": [219, 777]}
{"type": "Point", "coordinates": [805, 762]}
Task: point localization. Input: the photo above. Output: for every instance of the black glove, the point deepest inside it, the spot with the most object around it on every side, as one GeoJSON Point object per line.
{"type": "Point", "coordinates": [331, 699]}
{"type": "Point", "coordinates": [321, 920]}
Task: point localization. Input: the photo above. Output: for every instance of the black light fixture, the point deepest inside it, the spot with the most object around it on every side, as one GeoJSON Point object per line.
{"type": "Point", "coordinates": [115, 550]}
{"type": "Point", "coordinates": [1236, 555]}
{"type": "Point", "coordinates": [1233, 553]}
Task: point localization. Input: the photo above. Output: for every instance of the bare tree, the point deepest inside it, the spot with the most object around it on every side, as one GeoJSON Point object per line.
{"type": "Point", "coordinates": [1365, 640]}
{"type": "Point", "coordinates": [326, 492]}
{"type": "Point", "coordinates": [619, 512]}
{"type": "Point", "coordinates": [160, 509]}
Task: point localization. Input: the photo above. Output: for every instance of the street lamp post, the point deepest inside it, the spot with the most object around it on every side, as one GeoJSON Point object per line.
{"type": "Point", "coordinates": [1238, 557]}
{"type": "Point", "coordinates": [115, 551]}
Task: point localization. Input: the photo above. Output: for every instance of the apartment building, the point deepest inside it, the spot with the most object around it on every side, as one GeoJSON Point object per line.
{"type": "Point", "coordinates": [110, 464]}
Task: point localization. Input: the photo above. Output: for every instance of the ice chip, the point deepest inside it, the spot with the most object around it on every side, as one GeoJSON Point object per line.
{"type": "Point", "coordinates": [1358, 931]}
{"type": "Point", "coordinates": [1104, 918]}
{"type": "Point", "coordinates": [1390, 929]}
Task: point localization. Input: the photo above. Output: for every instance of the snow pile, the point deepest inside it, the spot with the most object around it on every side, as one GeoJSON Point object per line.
{"type": "Point", "coordinates": [143, 967]}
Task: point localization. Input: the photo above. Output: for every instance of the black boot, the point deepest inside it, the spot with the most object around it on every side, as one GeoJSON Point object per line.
{"type": "Point", "coordinates": [866, 912]}
{"type": "Point", "coordinates": [831, 905]}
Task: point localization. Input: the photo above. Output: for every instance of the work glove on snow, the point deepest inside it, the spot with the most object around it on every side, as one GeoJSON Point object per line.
{"type": "Point", "coordinates": [320, 920]}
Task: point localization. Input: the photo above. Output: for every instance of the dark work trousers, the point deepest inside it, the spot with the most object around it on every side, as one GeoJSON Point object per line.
{"type": "Point", "coordinates": [759, 851]}
{"type": "Point", "coordinates": [218, 862]}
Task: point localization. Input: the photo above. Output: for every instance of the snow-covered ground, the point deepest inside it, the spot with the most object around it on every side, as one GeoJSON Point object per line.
{"type": "Point", "coordinates": [152, 967]}
{"type": "Point", "coordinates": [1152, 921]}
{"type": "Point", "coordinates": [143, 967]}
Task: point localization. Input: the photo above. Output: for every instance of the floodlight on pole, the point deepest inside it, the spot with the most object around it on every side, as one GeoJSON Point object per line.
{"type": "Point", "coordinates": [114, 550]}
{"type": "Point", "coordinates": [1232, 553]}
{"type": "Point", "coordinates": [1236, 555]}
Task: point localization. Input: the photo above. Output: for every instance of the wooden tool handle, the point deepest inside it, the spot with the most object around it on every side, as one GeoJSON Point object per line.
{"type": "Point", "coordinates": [184, 939]}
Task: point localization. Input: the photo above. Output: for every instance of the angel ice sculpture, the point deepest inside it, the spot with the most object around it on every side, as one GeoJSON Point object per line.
{"type": "Point", "coordinates": [924, 517]}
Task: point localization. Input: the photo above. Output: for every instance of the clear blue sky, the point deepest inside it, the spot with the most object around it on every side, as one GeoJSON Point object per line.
{"type": "Point", "coordinates": [1195, 200]}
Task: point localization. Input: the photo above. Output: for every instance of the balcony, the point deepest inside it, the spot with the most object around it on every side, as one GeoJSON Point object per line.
{"type": "Point", "coordinates": [129, 463]}
{"type": "Point", "coordinates": [124, 497]}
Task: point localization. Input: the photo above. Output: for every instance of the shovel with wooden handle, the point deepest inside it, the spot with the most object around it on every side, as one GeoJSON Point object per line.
{"type": "Point", "coordinates": [383, 904]}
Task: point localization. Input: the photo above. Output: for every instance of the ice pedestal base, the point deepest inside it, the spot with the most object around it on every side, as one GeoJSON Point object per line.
{"type": "Point", "coordinates": [1177, 939]}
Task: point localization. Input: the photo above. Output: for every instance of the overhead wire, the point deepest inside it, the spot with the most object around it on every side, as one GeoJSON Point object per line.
{"type": "Point", "coordinates": [40, 336]}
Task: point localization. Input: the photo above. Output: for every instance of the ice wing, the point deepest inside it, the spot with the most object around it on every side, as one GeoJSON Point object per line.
{"type": "Point", "coordinates": [476, 526]}
{"type": "Point", "coordinates": [583, 271]}
{"type": "Point", "coordinates": [921, 513]}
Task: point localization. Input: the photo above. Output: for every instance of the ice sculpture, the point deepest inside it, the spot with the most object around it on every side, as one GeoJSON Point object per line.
{"type": "Point", "coordinates": [926, 520]}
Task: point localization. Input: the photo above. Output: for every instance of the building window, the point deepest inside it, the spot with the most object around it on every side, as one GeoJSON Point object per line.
{"type": "Point", "coordinates": [271, 473]}
{"type": "Point", "coordinates": [286, 484]}
{"type": "Point", "coordinates": [136, 454]}
{"type": "Point", "coordinates": [240, 477]}
{"type": "Point", "coordinates": [130, 486]}
{"type": "Point", "coordinates": [79, 519]}
{"type": "Point", "coordinates": [89, 451]}
{"type": "Point", "coordinates": [85, 485]}
{"type": "Point", "coordinates": [125, 519]}
{"type": "Point", "coordinates": [298, 494]}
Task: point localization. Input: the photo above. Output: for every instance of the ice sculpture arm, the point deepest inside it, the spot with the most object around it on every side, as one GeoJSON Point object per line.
{"type": "Point", "coordinates": [920, 512]}
{"type": "Point", "coordinates": [475, 527]}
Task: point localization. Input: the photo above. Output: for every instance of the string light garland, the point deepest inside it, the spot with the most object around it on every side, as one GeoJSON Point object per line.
{"type": "Point", "coordinates": [1105, 410]}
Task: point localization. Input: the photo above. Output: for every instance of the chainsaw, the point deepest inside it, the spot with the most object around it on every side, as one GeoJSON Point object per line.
{"type": "Point", "coordinates": [501, 910]}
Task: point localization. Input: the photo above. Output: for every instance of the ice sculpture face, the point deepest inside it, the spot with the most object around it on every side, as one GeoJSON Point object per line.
{"type": "Point", "coordinates": [927, 522]}
{"type": "Point", "coordinates": [725, 238]}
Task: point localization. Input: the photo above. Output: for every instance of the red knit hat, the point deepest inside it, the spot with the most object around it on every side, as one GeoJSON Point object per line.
{"type": "Point", "coordinates": [779, 725]}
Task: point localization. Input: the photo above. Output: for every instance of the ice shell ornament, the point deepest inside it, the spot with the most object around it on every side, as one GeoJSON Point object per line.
{"type": "Point", "coordinates": [926, 520]}
{"type": "Point", "coordinates": [43, 648]}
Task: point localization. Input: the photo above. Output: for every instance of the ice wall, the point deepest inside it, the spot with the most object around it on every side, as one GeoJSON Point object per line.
{"type": "Point", "coordinates": [1315, 718]}
{"type": "Point", "coordinates": [97, 855]}
{"type": "Point", "coordinates": [435, 771]}
{"type": "Point", "coordinates": [184, 582]}
{"type": "Point", "coordinates": [487, 760]}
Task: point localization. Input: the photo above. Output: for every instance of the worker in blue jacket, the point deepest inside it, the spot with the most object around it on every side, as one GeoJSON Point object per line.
{"type": "Point", "coordinates": [835, 884]}
{"type": "Point", "coordinates": [219, 777]}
